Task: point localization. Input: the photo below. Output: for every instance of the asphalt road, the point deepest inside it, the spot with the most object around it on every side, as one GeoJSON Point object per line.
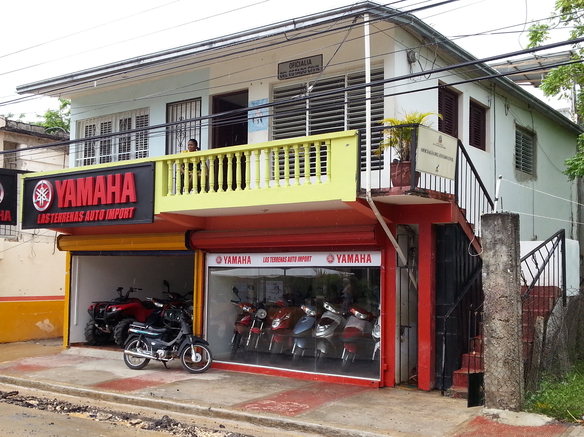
{"type": "Point", "coordinates": [23, 421]}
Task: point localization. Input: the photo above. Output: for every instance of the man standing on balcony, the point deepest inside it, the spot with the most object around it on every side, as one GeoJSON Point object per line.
{"type": "Point", "coordinates": [192, 146]}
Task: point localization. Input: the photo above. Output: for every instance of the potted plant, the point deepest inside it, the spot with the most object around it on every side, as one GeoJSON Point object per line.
{"type": "Point", "coordinates": [400, 140]}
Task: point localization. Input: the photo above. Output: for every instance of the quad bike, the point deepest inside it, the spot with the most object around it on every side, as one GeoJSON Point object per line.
{"type": "Point", "coordinates": [111, 319]}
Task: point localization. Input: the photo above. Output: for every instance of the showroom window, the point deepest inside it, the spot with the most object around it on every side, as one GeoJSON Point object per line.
{"type": "Point", "coordinates": [121, 147]}
{"type": "Point", "coordinates": [309, 312]}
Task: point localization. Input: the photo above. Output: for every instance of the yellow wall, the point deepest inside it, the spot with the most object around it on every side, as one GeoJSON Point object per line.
{"type": "Point", "coordinates": [31, 320]}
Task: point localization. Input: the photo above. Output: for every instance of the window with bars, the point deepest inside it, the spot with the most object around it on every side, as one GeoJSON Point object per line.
{"type": "Point", "coordinates": [8, 231]}
{"type": "Point", "coordinates": [121, 147]}
{"type": "Point", "coordinates": [178, 135]}
{"type": "Point", "coordinates": [448, 109]}
{"type": "Point", "coordinates": [338, 110]}
{"type": "Point", "coordinates": [10, 159]}
{"type": "Point", "coordinates": [477, 126]}
{"type": "Point", "coordinates": [524, 150]}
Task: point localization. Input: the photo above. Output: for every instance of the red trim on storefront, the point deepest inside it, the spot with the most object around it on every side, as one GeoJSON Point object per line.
{"type": "Point", "coordinates": [29, 298]}
{"type": "Point", "coordinates": [282, 239]}
{"type": "Point", "coordinates": [297, 375]}
{"type": "Point", "coordinates": [426, 307]}
{"type": "Point", "coordinates": [388, 316]}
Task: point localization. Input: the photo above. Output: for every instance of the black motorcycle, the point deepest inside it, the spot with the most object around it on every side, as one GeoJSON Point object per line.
{"type": "Point", "coordinates": [147, 342]}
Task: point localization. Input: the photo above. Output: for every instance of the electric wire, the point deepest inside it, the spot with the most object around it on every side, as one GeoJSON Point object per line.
{"type": "Point", "coordinates": [256, 48]}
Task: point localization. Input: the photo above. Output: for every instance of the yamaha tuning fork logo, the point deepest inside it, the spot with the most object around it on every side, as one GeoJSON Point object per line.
{"type": "Point", "coordinates": [42, 196]}
{"type": "Point", "coordinates": [1, 192]}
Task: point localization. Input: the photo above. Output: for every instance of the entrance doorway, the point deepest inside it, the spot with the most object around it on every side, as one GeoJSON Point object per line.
{"type": "Point", "coordinates": [229, 128]}
{"type": "Point", "coordinates": [407, 307]}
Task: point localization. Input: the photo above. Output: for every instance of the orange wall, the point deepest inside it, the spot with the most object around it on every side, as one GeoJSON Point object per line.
{"type": "Point", "coordinates": [23, 320]}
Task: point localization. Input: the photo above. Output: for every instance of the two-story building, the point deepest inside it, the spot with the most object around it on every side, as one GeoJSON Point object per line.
{"type": "Point", "coordinates": [32, 285]}
{"type": "Point", "coordinates": [288, 200]}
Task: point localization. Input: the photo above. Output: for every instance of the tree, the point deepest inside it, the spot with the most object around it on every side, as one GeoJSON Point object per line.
{"type": "Point", "coordinates": [565, 81]}
{"type": "Point", "coordinates": [57, 120]}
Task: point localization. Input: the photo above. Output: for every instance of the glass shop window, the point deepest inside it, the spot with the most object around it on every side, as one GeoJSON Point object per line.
{"type": "Point", "coordinates": [309, 319]}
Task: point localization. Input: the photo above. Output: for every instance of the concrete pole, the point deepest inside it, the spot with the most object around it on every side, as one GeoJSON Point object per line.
{"type": "Point", "coordinates": [502, 330]}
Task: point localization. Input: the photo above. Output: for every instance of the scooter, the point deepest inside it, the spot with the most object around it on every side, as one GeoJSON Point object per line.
{"type": "Point", "coordinates": [376, 335]}
{"type": "Point", "coordinates": [356, 334]}
{"type": "Point", "coordinates": [326, 332]}
{"type": "Point", "coordinates": [243, 322]}
{"type": "Point", "coordinates": [302, 332]}
{"type": "Point", "coordinates": [283, 322]}
{"type": "Point", "coordinates": [258, 329]}
{"type": "Point", "coordinates": [147, 342]}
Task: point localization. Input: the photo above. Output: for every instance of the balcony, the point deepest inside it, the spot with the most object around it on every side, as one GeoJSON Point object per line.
{"type": "Point", "coordinates": [300, 174]}
{"type": "Point", "coordinates": [324, 173]}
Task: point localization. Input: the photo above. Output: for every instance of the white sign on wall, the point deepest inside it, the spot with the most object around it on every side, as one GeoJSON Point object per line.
{"type": "Point", "coordinates": [436, 153]}
{"type": "Point", "coordinates": [320, 259]}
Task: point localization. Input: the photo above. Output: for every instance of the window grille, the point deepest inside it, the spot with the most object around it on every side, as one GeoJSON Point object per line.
{"type": "Point", "coordinates": [524, 151]}
{"type": "Point", "coordinates": [120, 147]}
{"type": "Point", "coordinates": [8, 231]}
{"type": "Point", "coordinates": [337, 111]}
{"type": "Point", "coordinates": [178, 135]}
{"type": "Point", "coordinates": [10, 159]}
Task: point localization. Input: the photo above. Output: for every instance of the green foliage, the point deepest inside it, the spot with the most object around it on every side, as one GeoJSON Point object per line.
{"type": "Point", "coordinates": [400, 138]}
{"type": "Point", "coordinates": [561, 399]}
{"type": "Point", "coordinates": [11, 116]}
{"type": "Point", "coordinates": [57, 120]}
{"type": "Point", "coordinates": [563, 81]}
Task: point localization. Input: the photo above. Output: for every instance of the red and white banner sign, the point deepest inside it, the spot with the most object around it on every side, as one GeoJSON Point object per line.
{"type": "Point", "coordinates": [320, 259]}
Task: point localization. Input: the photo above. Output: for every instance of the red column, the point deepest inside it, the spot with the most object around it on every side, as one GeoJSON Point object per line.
{"type": "Point", "coordinates": [426, 307]}
{"type": "Point", "coordinates": [388, 316]}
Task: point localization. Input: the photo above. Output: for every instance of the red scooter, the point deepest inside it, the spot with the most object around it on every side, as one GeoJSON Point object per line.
{"type": "Point", "coordinates": [243, 322]}
{"type": "Point", "coordinates": [283, 322]}
{"type": "Point", "coordinates": [356, 335]}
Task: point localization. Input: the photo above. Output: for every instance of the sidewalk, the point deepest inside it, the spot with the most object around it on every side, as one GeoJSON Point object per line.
{"type": "Point", "coordinates": [297, 406]}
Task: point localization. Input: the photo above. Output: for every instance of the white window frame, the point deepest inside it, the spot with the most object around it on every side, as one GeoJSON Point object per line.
{"type": "Point", "coordinates": [115, 148]}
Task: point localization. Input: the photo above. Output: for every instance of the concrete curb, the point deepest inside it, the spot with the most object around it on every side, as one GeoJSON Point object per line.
{"type": "Point", "coordinates": [207, 412]}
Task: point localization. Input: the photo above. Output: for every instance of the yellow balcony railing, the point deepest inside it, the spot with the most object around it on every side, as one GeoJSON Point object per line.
{"type": "Point", "coordinates": [315, 168]}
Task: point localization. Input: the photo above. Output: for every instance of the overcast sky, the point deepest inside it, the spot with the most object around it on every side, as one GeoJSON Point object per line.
{"type": "Point", "coordinates": [42, 39]}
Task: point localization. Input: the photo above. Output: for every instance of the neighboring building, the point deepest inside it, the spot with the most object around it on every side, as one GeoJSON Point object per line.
{"type": "Point", "coordinates": [282, 201]}
{"type": "Point", "coordinates": [32, 282]}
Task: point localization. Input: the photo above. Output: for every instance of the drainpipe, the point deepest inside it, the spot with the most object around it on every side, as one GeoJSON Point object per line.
{"type": "Point", "coordinates": [380, 218]}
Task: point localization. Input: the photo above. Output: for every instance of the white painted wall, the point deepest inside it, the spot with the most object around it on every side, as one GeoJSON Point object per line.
{"type": "Point", "coordinates": [546, 202]}
{"type": "Point", "coordinates": [96, 278]}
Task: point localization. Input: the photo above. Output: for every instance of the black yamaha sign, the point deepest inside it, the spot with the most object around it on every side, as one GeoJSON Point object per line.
{"type": "Point", "coordinates": [8, 197]}
{"type": "Point", "coordinates": [112, 196]}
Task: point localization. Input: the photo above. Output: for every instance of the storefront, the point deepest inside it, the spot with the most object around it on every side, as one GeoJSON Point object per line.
{"type": "Point", "coordinates": [308, 312]}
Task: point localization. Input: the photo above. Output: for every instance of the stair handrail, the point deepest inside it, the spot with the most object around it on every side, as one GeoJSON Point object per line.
{"type": "Point", "coordinates": [469, 283]}
{"type": "Point", "coordinates": [558, 239]}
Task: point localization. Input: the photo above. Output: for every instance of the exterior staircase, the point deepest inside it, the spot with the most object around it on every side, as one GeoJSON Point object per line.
{"type": "Point", "coordinates": [539, 302]}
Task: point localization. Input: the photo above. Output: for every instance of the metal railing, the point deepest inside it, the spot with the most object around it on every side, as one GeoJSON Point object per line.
{"type": "Point", "coordinates": [467, 188]}
{"type": "Point", "coordinates": [543, 275]}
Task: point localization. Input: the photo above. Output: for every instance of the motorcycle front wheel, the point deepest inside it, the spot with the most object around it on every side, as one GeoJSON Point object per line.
{"type": "Point", "coordinates": [235, 345]}
{"type": "Point", "coordinates": [140, 346]}
{"type": "Point", "coordinates": [196, 358]}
